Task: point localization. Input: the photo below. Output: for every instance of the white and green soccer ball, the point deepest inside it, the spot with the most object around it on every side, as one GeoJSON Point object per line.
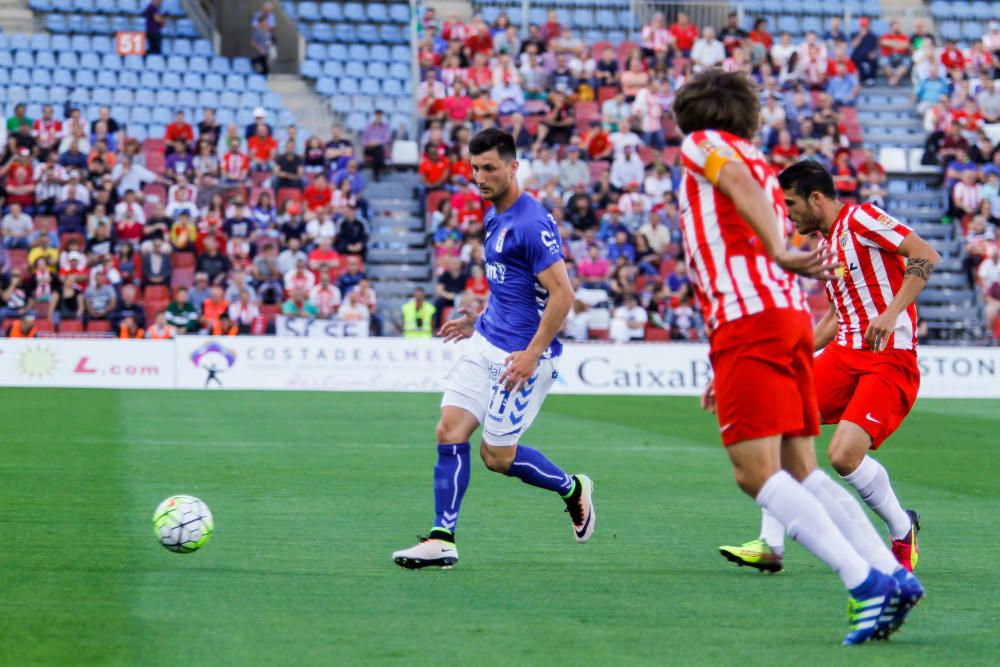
{"type": "Point", "coordinates": [182, 524]}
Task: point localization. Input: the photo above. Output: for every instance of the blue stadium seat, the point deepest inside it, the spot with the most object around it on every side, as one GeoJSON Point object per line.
{"type": "Point", "coordinates": [345, 32]}
{"type": "Point", "coordinates": [106, 6]}
{"type": "Point", "coordinates": [225, 116]}
{"type": "Point", "coordinates": [326, 86]}
{"type": "Point", "coordinates": [172, 8]}
{"type": "Point", "coordinates": [334, 69]}
{"type": "Point", "coordinates": [356, 122]}
{"type": "Point", "coordinates": [203, 48]}
{"type": "Point", "coordinates": [157, 130]}
{"type": "Point", "coordinates": [400, 120]}
{"type": "Point", "coordinates": [323, 32]}
{"type": "Point", "coordinates": [123, 96]}
{"type": "Point", "coordinates": [788, 24]}
{"type": "Point", "coordinates": [208, 98]}
{"type": "Point", "coordinates": [63, 77]}
{"type": "Point", "coordinates": [391, 34]}
{"type": "Point", "coordinates": [973, 30]}
{"type": "Point", "coordinates": [490, 14]}
{"type": "Point", "coordinates": [56, 23]}
{"type": "Point", "coordinates": [379, 53]}
{"type": "Point", "coordinates": [363, 104]}
{"type": "Point", "coordinates": [235, 81]}
{"type": "Point", "coordinates": [311, 69]}
{"type": "Point", "coordinates": [354, 11]}
{"type": "Point", "coordinates": [68, 60]}
{"type": "Point", "coordinates": [85, 78]}
{"type": "Point", "coordinates": [338, 52]}
{"type": "Point", "coordinates": [58, 95]}
{"type": "Point", "coordinates": [198, 64]}
{"type": "Point", "coordinates": [45, 59]}
{"type": "Point", "coordinates": [40, 41]}
{"type": "Point", "coordinates": [41, 77]}
{"type": "Point", "coordinates": [171, 80]}
{"type": "Point", "coordinates": [128, 79]}
{"type": "Point", "coordinates": [229, 99]}
{"type": "Point", "coordinates": [309, 11]}
{"type": "Point", "coordinates": [80, 97]}
{"type": "Point", "coordinates": [149, 81]}
{"type": "Point", "coordinates": [163, 115]}
{"type": "Point", "coordinates": [102, 96]}
{"type": "Point", "coordinates": [214, 82]}
{"type": "Point", "coordinates": [272, 100]}
{"type": "Point", "coordinates": [257, 83]}
{"type": "Point", "coordinates": [241, 66]}
{"type": "Point", "coordinates": [367, 33]}
{"type": "Point", "coordinates": [176, 64]}
{"type": "Point", "coordinates": [112, 61]}
{"type": "Point", "coordinates": [62, 6]}
{"type": "Point", "coordinates": [812, 23]}
{"type": "Point", "coordinates": [392, 88]}
{"type": "Point", "coordinates": [91, 60]}
{"type": "Point", "coordinates": [378, 70]}
{"type": "Point", "coordinates": [40, 5]}
{"type": "Point", "coordinates": [340, 104]}
{"type": "Point", "coordinates": [38, 93]}
{"type": "Point", "coordinates": [24, 59]}
{"type": "Point", "coordinates": [377, 12]}
{"type": "Point", "coordinates": [33, 110]}
{"type": "Point", "coordinates": [100, 24]}
{"type": "Point", "coordinates": [316, 51]}
{"type": "Point", "coordinates": [120, 23]}
{"type": "Point", "coordinates": [250, 100]}
{"type": "Point", "coordinates": [138, 131]}
{"type": "Point", "coordinates": [348, 86]}
{"type": "Point", "coordinates": [399, 13]}
{"type": "Point", "coordinates": [155, 63]}
{"type": "Point", "coordinates": [370, 86]}
{"type": "Point", "coordinates": [582, 18]}
{"type": "Point", "coordinates": [107, 79]}
{"type": "Point", "coordinates": [192, 81]}
{"type": "Point", "coordinates": [358, 52]}
{"type": "Point", "coordinates": [330, 11]}
{"type": "Point", "coordinates": [399, 71]}
{"type": "Point", "coordinates": [20, 77]}
{"type": "Point", "coordinates": [401, 54]}
{"type": "Point", "coordinates": [355, 68]}
{"type": "Point", "coordinates": [101, 44]}
{"type": "Point", "coordinates": [20, 41]}
{"type": "Point", "coordinates": [187, 99]}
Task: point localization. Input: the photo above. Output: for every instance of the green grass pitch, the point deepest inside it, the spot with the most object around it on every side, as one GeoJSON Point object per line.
{"type": "Point", "coordinates": [312, 492]}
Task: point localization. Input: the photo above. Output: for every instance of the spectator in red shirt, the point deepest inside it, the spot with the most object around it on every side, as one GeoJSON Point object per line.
{"type": "Point", "coordinates": [323, 255]}
{"type": "Point", "coordinates": [952, 59]}
{"type": "Point", "coordinates": [318, 194]}
{"type": "Point", "coordinates": [551, 28]}
{"type": "Point", "coordinates": [845, 178]}
{"type": "Point", "coordinates": [685, 33]}
{"type": "Point", "coordinates": [459, 167]}
{"type": "Point", "coordinates": [785, 151]}
{"type": "Point", "coordinates": [895, 47]}
{"type": "Point", "coordinates": [467, 205]}
{"type": "Point", "coordinates": [179, 130]}
{"type": "Point", "coordinates": [434, 169]}
{"type": "Point", "coordinates": [871, 179]}
{"type": "Point", "coordinates": [453, 28]}
{"type": "Point", "coordinates": [263, 149]}
{"type": "Point", "coordinates": [479, 39]}
{"type": "Point", "coordinates": [458, 105]}
{"type": "Point", "coordinates": [20, 181]}
{"type": "Point", "coordinates": [235, 165]}
{"type": "Point", "coordinates": [47, 131]}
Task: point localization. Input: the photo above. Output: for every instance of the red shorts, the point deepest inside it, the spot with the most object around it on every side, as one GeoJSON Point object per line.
{"type": "Point", "coordinates": [763, 367]}
{"type": "Point", "coordinates": [874, 390]}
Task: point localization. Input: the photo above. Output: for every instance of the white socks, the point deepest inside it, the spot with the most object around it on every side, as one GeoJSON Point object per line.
{"type": "Point", "coordinates": [772, 532]}
{"type": "Point", "coordinates": [872, 482]}
{"type": "Point", "coordinates": [808, 523]}
{"type": "Point", "coordinates": [851, 520]}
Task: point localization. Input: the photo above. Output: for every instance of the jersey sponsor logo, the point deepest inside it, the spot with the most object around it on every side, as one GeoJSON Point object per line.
{"type": "Point", "coordinates": [495, 271]}
{"type": "Point", "coordinates": [500, 239]}
{"type": "Point", "coordinates": [551, 241]}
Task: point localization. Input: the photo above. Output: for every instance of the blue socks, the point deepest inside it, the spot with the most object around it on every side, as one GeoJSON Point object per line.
{"type": "Point", "coordinates": [531, 467]}
{"type": "Point", "coordinates": [451, 479]}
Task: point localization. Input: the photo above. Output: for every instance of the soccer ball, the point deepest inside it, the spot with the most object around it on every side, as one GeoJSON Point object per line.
{"type": "Point", "coordinates": [182, 524]}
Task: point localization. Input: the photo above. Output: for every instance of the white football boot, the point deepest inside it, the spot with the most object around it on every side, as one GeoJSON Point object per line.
{"type": "Point", "coordinates": [582, 513]}
{"type": "Point", "coordinates": [427, 553]}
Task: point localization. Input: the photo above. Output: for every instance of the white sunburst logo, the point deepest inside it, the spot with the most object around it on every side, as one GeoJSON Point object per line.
{"type": "Point", "coordinates": [38, 362]}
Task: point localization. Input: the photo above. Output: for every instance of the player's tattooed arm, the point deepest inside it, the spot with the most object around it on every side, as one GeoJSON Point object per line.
{"type": "Point", "coordinates": [920, 267]}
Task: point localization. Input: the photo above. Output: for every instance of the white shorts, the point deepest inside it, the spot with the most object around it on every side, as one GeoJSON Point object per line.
{"type": "Point", "coordinates": [473, 385]}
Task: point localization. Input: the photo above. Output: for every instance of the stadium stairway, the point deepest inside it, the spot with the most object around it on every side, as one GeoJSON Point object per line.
{"type": "Point", "coordinates": [16, 16]}
{"type": "Point", "coordinates": [894, 131]}
{"type": "Point", "coordinates": [399, 254]}
{"type": "Point", "coordinates": [314, 116]}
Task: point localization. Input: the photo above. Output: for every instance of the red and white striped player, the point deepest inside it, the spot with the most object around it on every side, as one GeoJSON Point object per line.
{"type": "Point", "coordinates": [734, 223]}
{"type": "Point", "coordinates": [867, 376]}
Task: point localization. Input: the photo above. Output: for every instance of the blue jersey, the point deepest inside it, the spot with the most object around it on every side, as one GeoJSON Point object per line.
{"type": "Point", "coordinates": [521, 242]}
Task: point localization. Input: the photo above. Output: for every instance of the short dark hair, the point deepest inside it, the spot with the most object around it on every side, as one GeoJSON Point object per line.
{"type": "Point", "coordinates": [717, 100]}
{"type": "Point", "coordinates": [491, 138]}
{"type": "Point", "coordinates": [806, 177]}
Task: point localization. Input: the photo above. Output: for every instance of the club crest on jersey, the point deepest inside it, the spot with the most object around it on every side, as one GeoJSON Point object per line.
{"type": "Point", "coordinates": [843, 239]}
{"type": "Point", "coordinates": [500, 239]}
{"type": "Point", "coordinates": [886, 220]}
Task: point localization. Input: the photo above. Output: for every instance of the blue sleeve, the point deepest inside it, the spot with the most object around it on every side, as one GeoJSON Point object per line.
{"type": "Point", "coordinates": [542, 245]}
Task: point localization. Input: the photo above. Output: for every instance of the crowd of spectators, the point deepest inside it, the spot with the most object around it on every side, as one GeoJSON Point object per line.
{"type": "Point", "coordinates": [210, 229]}
{"type": "Point", "coordinates": [958, 93]}
{"type": "Point", "coordinates": [597, 144]}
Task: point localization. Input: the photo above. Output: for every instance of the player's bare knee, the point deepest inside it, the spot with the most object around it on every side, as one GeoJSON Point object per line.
{"type": "Point", "coordinates": [748, 480]}
{"type": "Point", "coordinates": [497, 459]}
{"type": "Point", "coordinates": [845, 457]}
{"type": "Point", "coordinates": [448, 432]}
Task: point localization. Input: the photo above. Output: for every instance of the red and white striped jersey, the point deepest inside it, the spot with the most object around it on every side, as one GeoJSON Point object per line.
{"type": "Point", "coordinates": [730, 269]}
{"type": "Point", "coordinates": [866, 239]}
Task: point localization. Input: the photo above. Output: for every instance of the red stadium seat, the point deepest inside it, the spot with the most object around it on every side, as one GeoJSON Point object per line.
{"type": "Point", "coordinates": [535, 108]}
{"type": "Point", "coordinates": [848, 114]}
{"type": "Point", "coordinates": [598, 48]}
{"type": "Point", "coordinates": [154, 146]}
{"type": "Point", "coordinates": [853, 132]}
{"type": "Point", "coordinates": [255, 194]}
{"type": "Point", "coordinates": [667, 266]}
{"type": "Point", "coordinates": [434, 199]}
{"type": "Point", "coordinates": [70, 326]}
{"type": "Point", "coordinates": [597, 168]}
{"type": "Point", "coordinates": [157, 190]}
{"type": "Point", "coordinates": [155, 162]}
{"type": "Point", "coordinates": [857, 157]}
{"type": "Point", "coordinates": [45, 222]}
{"type": "Point", "coordinates": [18, 258]}
{"type": "Point", "coordinates": [181, 259]}
{"type": "Point", "coordinates": [670, 155]}
{"type": "Point", "coordinates": [531, 123]}
{"type": "Point", "coordinates": [657, 334]}
{"type": "Point", "coordinates": [44, 326]}
{"type": "Point", "coordinates": [624, 50]}
{"type": "Point", "coordinates": [230, 193]}
{"type": "Point", "coordinates": [98, 326]}
{"type": "Point", "coordinates": [258, 178]}
{"type": "Point", "coordinates": [598, 334]}
{"type": "Point", "coordinates": [156, 293]}
{"type": "Point", "coordinates": [182, 277]}
{"type": "Point", "coordinates": [670, 128]}
{"type": "Point", "coordinates": [66, 236]}
{"type": "Point", "coordinates": [289, 193]}
{"type": "Point", "coordinates": [154, 308]}
{"type": "Point", "coordinates": [646, 154]}
{"type": "Point", "coordinates": [605, 93]}
{"type": "Point", "coordinates": [587, 110]}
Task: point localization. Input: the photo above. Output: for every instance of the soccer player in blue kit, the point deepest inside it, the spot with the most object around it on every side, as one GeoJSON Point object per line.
{"type": "Point", "coordinates": [509, 363]}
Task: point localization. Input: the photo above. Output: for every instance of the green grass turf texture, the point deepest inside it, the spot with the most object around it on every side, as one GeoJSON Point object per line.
{"type": "Point", "coordinates": [312, 492]}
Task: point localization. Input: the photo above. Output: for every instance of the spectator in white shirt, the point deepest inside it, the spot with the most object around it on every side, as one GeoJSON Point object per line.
{"type": "Point", "coordinates": [545, 168]}
{"type": "Point", "coordinates": [657, 235]}
{"type": "Point", "coordinates": [624, 137]}
{"type": "Point", "coordinates": [573, 170]}
{"type": "Point", "coordinates": [320, 226]}
{"type": "Point", "coordinates": [325, 296]}
{"type": "Point", "coordinates": [130, 203]}
{"type": "Point", "coordinates": [300, 278]}
{"type": "Point", "coordinates": [782, 50]}
{"type": "Point", "coordinates": [658, 183]}
{"type": "Point", "coordinates": [629, 321]}
{"type": "Point", "coordinates": [626, 168]}
{"type": "Point", "coordinates": [355, 309]}
{"type": "Point", "coordinates": [708, 52]}
{"type": "Point", "coordinates": [614, 111]}
{"type": "Point", "coordinates": [291, 255]}
{"type": "Point", "coordinates": [244, 311]}
{"type": "Point", "coordinates": [16, 226]}
{"type": "Point", "coordinates": [130, 176]}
